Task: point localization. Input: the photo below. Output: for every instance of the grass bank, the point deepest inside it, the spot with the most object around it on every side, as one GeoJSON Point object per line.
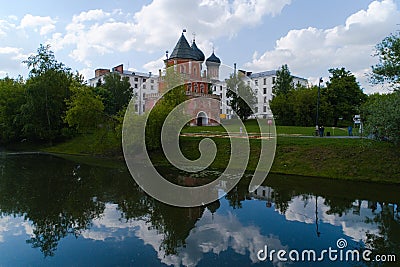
{"type": "Point", "coordinates": [336, 158]}
{"type": "Point", "coordinates": [346, 159]}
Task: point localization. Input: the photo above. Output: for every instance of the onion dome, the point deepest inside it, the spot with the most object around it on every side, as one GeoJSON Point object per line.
{"type": "Point", "coordinates": [213, 60]}
{"type": "Point", "coordinates": [199, 54]}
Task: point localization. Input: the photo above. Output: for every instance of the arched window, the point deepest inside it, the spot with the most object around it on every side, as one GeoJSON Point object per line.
{"type": "Point", "coordinates": [202, 88]}
{"type": "Point", "coordinates": [195, 87]}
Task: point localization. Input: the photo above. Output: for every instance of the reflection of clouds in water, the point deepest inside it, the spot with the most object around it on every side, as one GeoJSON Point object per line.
{"type": "Point", "coordinates": [352, 223]}
{"type": "Point", "coordinates": [212, 234]}
{"type": "Point", "coordinates": [218, 233]}
{"type": "Point", "coordinates": [14, 226]}
{"type": "Point", "coordinates": [108, 224]}
{"type": "Point", "coordinates": [111, 221]}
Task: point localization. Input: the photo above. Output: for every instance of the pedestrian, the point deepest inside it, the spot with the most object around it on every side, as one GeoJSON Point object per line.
{"type": "Point", "coordinates": [321, 131]}
{"type": "Point", "coordinates": [350, 130]}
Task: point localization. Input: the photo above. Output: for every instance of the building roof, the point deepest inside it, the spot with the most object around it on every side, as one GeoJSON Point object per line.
{"type": "Point", "coordinates": [183, 50]}
{"type": "Point", "coordinates": [263, 74]}
{"type": "Point", "coordinates": [271, 73]}
{"type": "Point", "coordinates": [213, 59]}
{"type": "Point", "coordinates": [140, 74]}
{"type": "Point", "coordinates": [198, 52]}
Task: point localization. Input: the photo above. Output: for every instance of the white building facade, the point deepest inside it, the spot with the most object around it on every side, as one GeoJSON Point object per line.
{"type": "Point", "coordinates": [141, 84]}
{"type": "Point", "coordinates": [261, 83]}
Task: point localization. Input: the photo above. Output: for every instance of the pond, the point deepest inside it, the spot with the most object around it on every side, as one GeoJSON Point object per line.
{"type": "Point", "coordinates": [56, 212]}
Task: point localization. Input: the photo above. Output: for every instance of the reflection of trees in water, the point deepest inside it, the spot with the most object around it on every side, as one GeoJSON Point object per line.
{"type": "Point", "coordinates": [338, 206]}
{"type": "Point", "coordinates": [52, 196]}
{"type": "Point", "coordinates": [62, 198]}
{"type": "Point", "coordinates": [173, 223]}
{"type": "Point", "coordinates": [387, 242]}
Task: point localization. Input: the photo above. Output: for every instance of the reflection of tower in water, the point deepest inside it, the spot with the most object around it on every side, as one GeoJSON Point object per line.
{"type": "Point", "coordinates": [316, 217]}
{"type": "Point", "coordinates": [213, 207]}
{"type": "Point", "coordinates": [264, 193]}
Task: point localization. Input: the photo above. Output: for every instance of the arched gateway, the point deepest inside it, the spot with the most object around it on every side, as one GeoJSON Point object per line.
{"type": "Point", "coordinates": [202, 119]}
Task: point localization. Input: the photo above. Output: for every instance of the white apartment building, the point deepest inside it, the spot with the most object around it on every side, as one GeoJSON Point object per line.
{"type": "Point", "coordinates": [141, 84]}
{"type": "Point", "coordinates": [261, 83]}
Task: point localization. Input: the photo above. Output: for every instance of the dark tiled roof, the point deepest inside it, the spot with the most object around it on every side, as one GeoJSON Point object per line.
{"type": "Point", "coordinates": [183, 50]}
{"type": "Point", "coordinates": [198, 52]}
{"type": "Point", "coordinates": [213, 59]}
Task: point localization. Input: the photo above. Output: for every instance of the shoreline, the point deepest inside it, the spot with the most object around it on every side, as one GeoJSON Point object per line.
{"type": "Point", "coordinates": [354, 159]}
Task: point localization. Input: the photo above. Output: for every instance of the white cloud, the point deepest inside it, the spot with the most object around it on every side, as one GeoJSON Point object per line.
{"type": "Point", "coordinates": [11, 60]}
{"type": "Point", "coordinates": [87, 73]}
{"type": "Point", "coordinates": [154, 65]}
{"type": "Point", "coordinates": [311, 52]}
{"type": "Point", "coordinates": [158, 25]}
{"type": "Point", "coordinates": [95, 14]}
{"type": "Point", "coordinates": [5, 27]}
{"type": "Point", "coordinates": [44, 25]}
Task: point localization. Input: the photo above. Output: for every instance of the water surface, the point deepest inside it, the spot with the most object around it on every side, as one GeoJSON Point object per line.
{"type": "Point", "coordinates": [65, 213]}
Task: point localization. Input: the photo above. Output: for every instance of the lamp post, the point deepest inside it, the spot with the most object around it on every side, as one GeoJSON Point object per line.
{"type": "Point", "coordinates": [319, 89]}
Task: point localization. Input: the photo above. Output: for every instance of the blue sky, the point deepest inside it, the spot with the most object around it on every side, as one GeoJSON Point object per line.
{"type": "Point", "coordinates": [310, 36]}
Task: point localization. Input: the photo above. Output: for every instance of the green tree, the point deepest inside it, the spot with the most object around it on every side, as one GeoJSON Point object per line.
{"type": "Point", "coordinates": [46, 90]}
{"type": "Point", "coordinates": [12, 97]}
{"type": "Point", "coordinates": [282, 108]}
{"type": "Point", "coordinates": [388, 68]}
{"type": "Point", "coordinates": [242, 96]}
{"type": "Point", "coordinates": [119, 92]}
{"type": "Point", "coordinates": [382, 116]}
{"type": "Point", "coordinates": [284, 81]}
{"type": "Point", "coordinates": [296, 108]}
{"type": "Point", "coordinates": [344, 96]}
{"type": "Point", "coordinates": [304, 105]}
{"type": "Point", "coordinates": [85, 108]}
{"type": "Point", "coordinates": [158, 114]}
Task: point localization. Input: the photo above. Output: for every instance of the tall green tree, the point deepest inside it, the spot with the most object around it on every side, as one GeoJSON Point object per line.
{"type": "Point", "coordinates": [119, 92]}
{"type": "Point", "coordinates": [175, 96]}
{"type": "Point", "coordinates": [284, 81]}
{"type": "Point", "coordinates": [242, 96]}
{"type": "Point", "coordinates": [381, 114]}
{"type": "Point", "coordinates": [344, 95]}
{"type": "Point", "coordinates": [12, 97]}
{"type": "Point", "coordinates": [388, 68]}
{"type": "Point", "coordinates": [296, 108]}
{"type": "Point", "coordinates": [46, 90]}
{"type": "Point", "coordinates": [85, 108]}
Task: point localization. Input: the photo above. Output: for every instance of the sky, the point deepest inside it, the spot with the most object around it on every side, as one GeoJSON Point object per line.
{"type": "Point", "coordinates": [310, 36]}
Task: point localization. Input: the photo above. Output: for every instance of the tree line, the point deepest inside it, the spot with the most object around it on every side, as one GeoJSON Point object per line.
{"type": "Point", "coordinates": [342, 97]}
{"type": "Point", "coordinates": [54, 103]}
{"type": "Point", "coordinates": [296, 105]}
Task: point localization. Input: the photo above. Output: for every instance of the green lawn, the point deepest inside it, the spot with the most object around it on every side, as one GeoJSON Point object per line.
{"type": "Point", "coordinates": [347, 159]}
{"type": "Point", "coordinates": [252, 127]}
{"type": "Point", "coordinates": [101, 143]}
